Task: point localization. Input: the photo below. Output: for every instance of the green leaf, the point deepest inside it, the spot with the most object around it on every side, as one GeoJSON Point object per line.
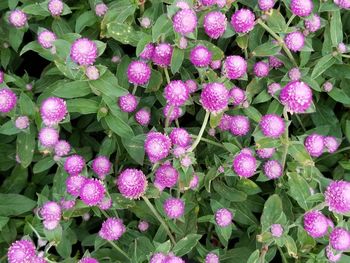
{"type": "Point", "coordinates": [27, 106]}
{"type": "Point", "coordinates": [135, 147]}
{"type": "Point", "coordinates": [339, 95]}
{"type": "Point", "coordinates": [229, 193]}
{"type": "Point", "coordinates": [267, 49]}
{"type": "Point", "coordinates": [83, 106]}
{"type": "Point", "coordinates": [36, 9]}
{"type": "Point", "coordinates": [43, 165]}
{"type": "Point", "coordinates": [322, 65]}
{"type": "Point", "coordinates": [60, 27]}
{"type": "Point", "coordinates": [15, 204]}
{"type": "Point", "coordinates": [161, 27]}
{"type": "Point", "coordinates": [73, 89]}
{"type": "Point", "coordinates": [339, 71]}
{"type": "Point", "coordinates": [336, 28]}
{"type": "Point", "coordinates": [9, 128]}
{"type": "Point", "coordinates": [121, 72]}
{"type": "Point", "coordinates": [86, 19]}
{"type": "Point", "coordinates": [272, 212]}
{"type": "Point", "coordinates": [299, 190]}
{"type": "Point", "coordinates": [117, 125]}
{"type": "Point", "coordinates": [3, 221]}
{"type": "Point", "coordinates": [26, 147]}
{"type": "Point", "coordinates": [254, 257]}
{"type": "Point", "coordinates": [54, 235]}
{"type": "Point", "coordinates": [124, 33]}
{"type": "Point", "coordinates": [252, 113]}
{"type": "Point", "coordinates": [291, 246]}
{"type": "Point", "coordinates": [176, 60]}
{"type": "Point", "coordinates": [155, 81]}
{"type": "Point", "coordinates": [277, 22]}
{"type": "Point", "coordinates": [15, 37]}
{"type": "Point", "coordinates": [215, 119]}
{"type": "Point", "coordinates": [186, 244]}
{"type": "Point", "coordinates": [217, 53]}
{"type": "Point", "coordinates": [16, 182]}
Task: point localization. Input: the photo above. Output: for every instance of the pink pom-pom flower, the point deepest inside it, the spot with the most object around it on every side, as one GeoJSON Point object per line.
{"type": "Point", "coordinates": [339, 239]}
{"type": "Point", "coordinates": [191, 85]}
{"type": "Point", "coordinates": [92, 192]}
{"type": "Point", "coordinates": [225, 122]}
{"type": "Point", "coordinates": [261, 69]}
{"type": "Point", "coordinates": [214, 97]}
{"type": "Point", "coordinates": [176, 93]}
{"type": "Point", "coordinates": [48, 137]}
{"type": "Point", "coordinates": [296, 96]}
{"type": "Point", "coordinates": [274, 62]}
{"type": "Point", "coordinates": [237, 96]}
{"type": "Point", "coordinates": [138, 73]}
{"type": "Point", "coordinates": [18, 18]}
{"type": "Point", "coordinates": [143, 226]}
{"type": "Point", "coordinates": [51, 211]}
{"type": "Point", "coordinates": [174, 114]}
{"type": "Point", "coordinates": [223, 217]}
{"type": "Point", "coordinates": [332, 257]}
{"type": "Point", "coordinates": [132, 183]}
{"type": "Point", "coordinates": [21, 251]}
{"type": "Point", "coordinates": [185, 21]}
{"type": "Point", "coordinates": [147, 52]}
{"type": "Point", "coordinates": [314, 144]}
{"type": "Point", "coordinates": [101, 166]}
{"type": "Point", "coordinates": [74, 164]}
{"type": "Point", "coordinates": [180, 136]}
{"type": "Point", "coordinates": [243, 20]}
{"type": "Point", "coordinates": [83, 52]}
{"type": "Point", "coordinates": [234, 67]}
{"type": "Point", "coordinates": [273, 169]}
{"type": "Point", "coordinates": [301, 7]}
{"type": "Point", "coordinates": [158, 258]}
{"type": "Point", "coordinates": [244, 165]}
{"type": "Point", "coordinates": [127, 103]}
{"type": "Point", "coordinates": [143, 117]}
{"type": "Point", "coordinates": [157, 146]}
{"type": "Point", "coordinates": [215, 24]}
{"type": "Point", "coordinates": [265, 153]}
{"type": "Point", "coordinates": [272, 125]}
{"type": "Point", "coordinates": [92, 73]}
{"type": "Point", "coordinates": [211, 258]}
{"type": "Point", "coordinates": [46, 38]}
{"type": "Point", "coordinates": [166, 176]}
{"type": "Point", "coordinates": [315, 224]}
{"type": "Point", "coordinates": [53, 110]}
{"type": "Point", "coordinates": [8, 100]}
{"type": "Point", "coordinates": [240, 125]}
{"type": "Point", "coordinates": [337, 197]}
{"type": "Point", "coordinates": [22, 122]}
{"type": "Point", "coordinates": [62, 148]}
{"type": "Point", "coordinates": [112, 229]}
{"type": "Point", "coordinates": [200, 56]}
{"type": "Point", "coordinates": [295, 41]}
{"type": "Point", "coordinates": [55, 7]}
{"type": "Point", "coordinates": [174, 207]}
{"type": "Point", "coordinates": [276, 230]}
{"type": "Point", "coordinates": [265, 5]}
{"type": "Point", "coordinates": [162, 55]}
{"type": "Point", "coordinates": [313, 24]}
{"type": "Point", "coordinates": [330, 143]}
{"type": "Point", "coordinates": [74, 184]}
{"type": "Point", "coordinates": [101, 9]}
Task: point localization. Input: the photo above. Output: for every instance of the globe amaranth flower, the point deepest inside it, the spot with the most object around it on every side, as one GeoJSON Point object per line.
{"type": "Point", "coordinates": [174, 207]}
{"type": "Point", "coordinates": [243, 20]}
{"type": "Point", "coordinates": [225, 122]}
{"type": "Point", "coordinates": [112, 229]}
{"type": "Point", "coordinates": [182, 5]}
{"type": "Point", "coordinates": [132, 183]}
{"type": "Point", "coordinates": [186, 161]}
{"type": "Point", "coordinates": [274, 62]}
{"type": "Point", "coordinates": [165, 176]}
{"type": "Point", "coordinates": [185, 21]}
{"type": "Point", "coordinates": [143, 117]}
{"type": "Point", "coordinates": [51, 211]}
{"type": "Point", "coordinates": [101, 9]}
{"type": "Point", "coordinates": [191, 85]}
{"type": "Point", "coordinates": [327, 86]}
{"type": "Point", "coordinates": [244, 165]}
{"type": "Point", "coordinates": [176, 93]}
{"type": "Point", "coordinates": [240, 125]}
{"type": "Point", "coordinates": [17, 18]}
{"type": "Point", "coordinates": [138, 72]}
{"type": "Point", "coordinates": [315, 224]}
{"type": "Point", "coordinates": [74, 184]}
{"type": "Point", "coordinates": [92, 192]}
{"type": "Point", "coordinates": [301, 7]}
{"type": "Point", "coordinates": [200, 56]}
{"type": "Point", "coordinates": [39, 259]}
{"type": "Point", "coordinates": [127, 103]}
{"type": "Point", "coordinates": [92, 73]}
{"type": "Point", "coordinates": [211, 258]}
{"type": "Point", "coordinates": [339, 239]}
{"type": "Point", "coordinates": [174, 259]}
{"type": "Point", "coordinates": [145, 22]}
{"type": "Point", "coordinates": [74, 164]}
{"type": "Point", "coordinates": [83, 52]}
{"type": "Point", "coordinates": [331, 256]}
{"type": "Point", "coordinates": [208, 2]}
{"type": "Point", "coordinates": [223, 217]}
{"type": "Point", "coordinates": [272, 125]}
{"type": "Point", "coordinates": [273, 88]}
{"type": "Point", "coordinates": [48, 137]}
{"type": "Point", "coordinates": [342, 48]}
{"type": "Point", "coordinates": [105, 204]}
{"type": "Point", "coordinates": [101, 166]}
{"type": "Point", "coordinates": [343, 3]}
{"type": "Point", "coordinates": [330, 143]}
{"type": "Point", "coordinates": [295, 41]}
{"type": "Point", "coordinates": [234, 67]}
{"type": "Point", "coordinates": [273, 169]}
{"type": "Point", "coordinates": [276, 230]}
{"type": "Point", "coordinates": [194, 182]}
{"type": "Point", "coordinates": [237, 96]}
{"type": "Point", "coordinates": [8, 100]}
{"type": "Point", "coordinates": [53, 110]}
{"type": "Point", "coordinates": [215, 24]}
{"type": "Point", "coordinates": [157, 146]}
{"type": "Point", "coordinates": [265, 5]}
{"type": "Point", "coordinates": [261, 69]}
{"type": "Point", "coordinates": [46, 38]}
{"type": "Point", "coordinates": [88, 260]}
{"type": "Point", "coordinates": [67, 204]}
{"type": "Point", "coordinates": [178, 151]}
{"type": "Point", "coordinates": [313, 24]}
{"type": "Point", "coordinates": [147, 52]}
{"type": "Point", "coordinates": [22, 122]}
{"type": "Point", "coordinates": [337, 197]}
{"type": "Point", "coordinates": [180, 136]}
{"type": "Point", "coordinates": [62, 148]}
{"type": "Point", "coordinates": [314, 144]}
{"type": "Point", "coordinates": [158, 258]}
{"type": "Point", "coordinates": [21, 251]}
{"type": "Point", "coordinates": [294, 74]}
{"type": "Point", "coordinates": [214, 97]}
{"type": "Point", "coordinates": [183, 42]}
{"type": "Point", "coordinates": [55, 7]}
{"type": "Point", "coordinates": [143, 226]}
{"type": "Point", "coordinates": [265, 153]}
{"type": "Point", "coordinates": [174, 114]}
{"type": "Point", "coordinates": [296, 96]}
{"type": "Point", "coordinates": [162, 55]}
{"type": "Point", "coordinates": [215, 64]}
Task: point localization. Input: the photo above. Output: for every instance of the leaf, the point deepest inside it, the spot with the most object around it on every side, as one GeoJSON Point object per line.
{"type": "Point", "coordinates": [54, 235]}
{"type": "Point", "coordinates": [339, 71]}
{"type": "Point", "coordinates": [254, 257]}
{"type": "Point", "coordinates": [298, 152]}
{"type": "Point", "coordinates": [155, 81]}
{"type": "Point", "coordinates": [16, 182]}
{"type": "Point", "coordinates": [73, 89]}
{"type": "Point", "coordinates": [26, 104]}
{"type": "Point", "coordinates": [272, 212]}
{"type": "Point", "coordinates": [60, 27]}
{"type": "Point", "coordinates": [291, 246]}
{"type": "Point", "coordinates": [176, 60]}
{"type": "Point", "coordinates": [124, 33]}
{"type": "Point", "coordinates": [186, 244]}
{"type": "Point", "coordinates": [161, 27]}
{"type": "Point", "coordinates": [267, 49]}
{"type": "Point", "coordinates": [83, 106]}
{"type": "Point", "coordinates": [43, 165]}
{"type": "Point", "coordinates": [117, 125]}
{"type": "Point", "coordinates": [339, 95]}
{"type": "Point", "coordinates": [107, 84]}
{"type": "Point", "coordinates": [252, 113]}
{"type": "Point", "coordinates": [277, 22]}
{"type": "Point", "coordinates": [336, 28]}
{"type": "Point", "coordinates": [26, 147]}
{"type": "Point", "coordinates": [15, 37]}
{"type": "Point", "coordinates": [217, 53]}
{"type": "Point", "coordinates": [86, 19]}
{"type": "Point", "coordinates": [229, 193]}
{"type": "Point", "coordinates": [135, 147]}
{"type": "Point", "coordinates": [3, 221]}
{"type": "Point", "coordinates": [299, 190]}
{"type": "Point", "coordinates": [15, 204]}
{"type": "Point", "coordinates": [322, 65]}
{"type": "Point", "coordinates": [9, 128]}
{"type": "Point", "coordinates": [36, 9]}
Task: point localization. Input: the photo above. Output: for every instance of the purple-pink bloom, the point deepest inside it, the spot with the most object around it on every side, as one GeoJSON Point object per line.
{"type": "Point", "coordinates": [176, 93]}
{"type": "Point", "coordinates": [294, 74]}
{"type": "Point", "coordinates": [147, 52]}
{"type": "Point", "coordinates": [158, 258]}
{"type": "Point", "coordinates": [337, 197]}
{"type": "Point", "coordinates": [331, 256]}
{"type": "Point", "coordinates": [191, 85]}
{"type": "Point", "coordinates": [101, 9]}
{"type": "Point", "coordinates": [143, 226]}
{"type": "Point", "coordinates": [185, 21]}
{"type": "Point", "coordinates": [223, 217]}
{"type": "Point", "coordinates": [92, 192]}
{"type": "Point", "coordinates": [339, 239]}
{"type": "Point", "coordinates": [315, 224]}
{"type": "Point", "coordinates": [296, 96]}
{"type": "Point", "coordinates": [243, 20]}
{"type": "Point", "coordinates": [53, 110]}
{"type": "Point", "coordinates": [132, 183]}
{"type": "Point", "coordinates": [51, 211]}
{"type": "Point", "coordinates": [46, 38]}
{"type": "Point", "coordinates": [234, 67]}
{"type": "Point", "coordinates": [48, 137]}
{"type": "Point", "coordinates": [174, 114]}
{"type": "Point", "coordinates": [240, 125]}
{"type": "Point", "coordinates": [127, 103]}
{"type": "Point", "coordinates": [165, 176]}
{"type": "Point", "coordinates": [106, 203]}
{"type": "Point", "coordinates": [214, 97]}
{"type": "Point", "coordinates": [330, 143]}
{"type": "Point", "coordinates": [74, 184]}
{"type": "Point", "coordinates": [273, 88]}
{"type": "Point", "coordinates": [301, 7]}
{"type": "Point", "coordinates": [17, 18]}
{"type": "Point", "coordinates": [237, 96]}
{"type": "Point", "coordinates": [313, 24]}
{"type": "Point", "coordinates": [101, 166]}
{"type": "Point", "coordinates": [265, 153]}
{"type": "Point", "coordinates": [92, 73]}
{"type": "Point", "coordinates": [265, 5]}
{"type": "Point", "coordinates": [55, 7]}
{"type": "Point", "coordinates": [276, 230]}
{"type": "Point", "coordinates": [274, 62]}
{"type": "Point", "coordinates": [162, 55]}
{"type": "Point", "coordinates": [83, 52]}
{"type": "Point", "coordinates": [62, 148]}
{"type": "Point", "coordinates": [8, 100]}
{"type": "Point", "coordinates": [112, 229]}
{"type": "Point", "coordinates": [180, 136]}
{"type": "Point", "coordinates": [225, 122]}
{"type": "Point", "coordinates": [314, 144]}
{"type": "Point", "coordinates": [138, 72]}
{"type": "Point", "coordinates": [74, 164]}
{"type": "Point", "coordinates": [273, 169]}
{"type": "Point", "coordinates": [200, 56]}
{"type": "Point", "coordinates": [211, 258]}
{"type": "Point", "coordinates": [244, 165]}
{"type": "Point", "coordinates": [215, 24]}
{"type": "Point", "coordinates": [174, 207]}
{"type": "Point", "coordinates": [143, 117]}
{"type": "Point", "coordinates": [295, 41]}
{"type": "Point", "coordinates": [343, 3]}
{"type": "Point", "coordinates": [272, 125]}
{"type": "Point", "coordinates": [22, 122]}
{"type": "Point", "coordinates": [261, 69]}
{"type": "Point", "coordinates": [21, 251]}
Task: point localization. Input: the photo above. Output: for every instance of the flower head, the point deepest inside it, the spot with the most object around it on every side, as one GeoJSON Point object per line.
{"type": "Point", "coordinates": [237, 96]}
{"type": "Point", "coordinates": [185, 21]}
{"type": "Point", "coordinates": [2, 76]}
{"type": "Point", "coordinates": [46, 38]}
{"type": "Point", "coordinates": [332, 257]}
{"type": "Point", "coordinates": [272, 125]}
{"type": "Point", "coordinates": [55, 7]}
{"type": "Point", "coordinates": [273, 169]}
{"type": "Point", "coordinates": [214, 97]}
{"type": "Point", "coordinates": [21, 251]}
{"type": "Point", "coordinates": [315, 224]}
{"type": "Point", "coordinates": [92, 73]}
{"type": "Point", "coordinates": [8, 100]}
{"type": "Point", "coordinates": [106, 203]}
{"type": "Point", "coordinates": [191, 85]}
{"type": "Point", "coordinates": [143, 226]}
{"type": "Point", "coordinates": [301, 7]}
{"type": "Point", "coordinates": [74, 184]}
{"type": "Point", "coordinates": [83, 52]}
{"type": "Point", "coordinates": [244, 165]}
{"type": "Point", "coordinates": [208, 2]}
{"type": "Point", "coordinates": [18, 18]}
{"type": "Point", "coordinates": [62, 148]}
{"type": "Point", "coordinates": [330, 143]}
{"type": "Point", "coordinates": [273, 88]}
{"type": "Point", "coordinates": [266, 153]}
{"type": "Point", "coordinates": [112, 229]}
{"type": "Point", "coordinates": [143, 117]}
{"type": "Point", "coordinates": [53, 110]}
{"type": "Point", "coordinates": [22, 122]}
{"type": "Point", "coordinates": [92, 192]}
{"type": "Point", "coordinates": [145, 22]}
{"type": "Point", "coordinates": [174, 114]}
{"type": "Point", "coordinates": [261, 69]}
{"type": "Point", "coordinates": [215, 64]}
{"type": "Point", "coordinates": [127, 103]}
{"type": "Point", "coordinates": [327, 86]}
{"type": "Point", "coordinates": [274, 62]}
{"type": "Point", "coordinates": [194, 182]}
{"type": "Point", "coordinates": [174, 207]}
{"type": "Point", "coordinates": [162, 55]}
{"type": "Point", "coordinates": [132, 183]}
{"type": "Point", "coordinates": [51, 211]}
{"type": "Point", "coordinates": [240, 125]}
{"type": "Point", "coordinates": [225, 122]}
{"type": "Point", "coordinates": [157, 146]}
{"type": "Point", "coordinates": [166, 176]}
{"type": "Point", "coordinates": [48, 137]}
{"type": "Point", "coordinates": [314, 144]}
{"type": "Point", "coordinates": [74, 164]}
{"type": "Point", "coordinates": [101, 9]}
{"type": "Point", "coordinates": [234, 67]}
{"type": "Point", "coordinates": [158, 258]}
{"type": "Point", "coordinates": [296, 96]}
{"type": "Point", "coordinates": [138, 72]}
{"type": "Point", "coordinates": [200, 56]}
{"type": "Point", "coordinates": [313, 24]}
{"type": "Point", "coordinates": [338, 197]}
{"type": "Point", "coordinates": [147, 52]}
{"type": "Point", "coordinates": [176, 93]}
{"type": "Point", "coordinates": [101, 166]}
{"type": "Point", "coordinates": [294, 74]}
{"type": "Point", "coordinates": [265, 5]}
{"type": "Point", "coordinates": [276, 230]}
{"type": "Point", "coordinates": [243, 20]}
{"type": "Point", "coordinates": [223, 217]}
{"type": "Point", "coordinates": [295, 41]}
{"type": "Point", "coordinates": [343, 3]}
{"type": "Point", "coordinates": [339, 239]}
{"type": "Point", "coordinates": [211, 258]}
{"type": "Point", "coordinates": [180, 136]}
{"type": "Point", "coordinates": [215, 24]}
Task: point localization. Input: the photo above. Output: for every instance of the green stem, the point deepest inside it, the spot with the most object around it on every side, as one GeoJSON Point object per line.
{"type": "Point", "coordinates": [345, 56]}
{"type": "Point", "coordinates": [167, 120]}
{"type": "Point", "coordinates": [339, 151]}
{"type": "Point", "coordinates": [134, 89]}
{"type": "Point", "coordinates": [119, 250]}
{"type": "Point", "coordinates": [300, 122]}
{"type": "Point", "coordinates": [284, 260]}
{"type": "Point", "coordinates": [104, 213]}
{"type": "Point", "coordinates": [167, 75]}
{"type": "Point", "coordinates": [34, 230]}
{"type": "Point", "coordinates": [290, 20]}
{"type": "Point", "coordinates": [208, 141]}
{"type": "Point", "coordinates": [160, 219]}
{"type": "Point", "coordinates": [286, 141]}
{"type": "Point", "coordinates": [264, 250]}
{"type": "Point", "coordinates": [200, 134]}
{"type": "Point", "coordinates": [177, 123]}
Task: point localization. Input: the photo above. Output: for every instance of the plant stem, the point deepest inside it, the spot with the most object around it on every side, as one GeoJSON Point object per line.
{"type": "Point", "coordinates": [34, 230]}
{"type": "Point", "coordinates": [290, 20]}
{"type": "Point", "coordinates": [264, 250]}
{"type": "Point", "coordinates": [167, 75]}
{"type": "Point", "coordinates": [134, 89]}
{"type": "Point", "coordinates": [286, 142]}
{"type": "Point", "coordinates": [208, 141]}
{"type": "Point", "coordinates": [104, 213]}
{"type": "Point", "coordinates": [167, 120]}
{"type": "Point", "coordinates": [160, 219]}
{"type": "Point", "coordinates": [284, 260]}
{"type": "Point", "coordinates": [345, 56]}
{"type": "Point", "coordinates": [300, 122]}
{"type": "Point", "coordinates": [339, 151]}
{"type": "Point", "coordinates": [200, 134]}
{"type": "Point", "coordinates": [119, 250]}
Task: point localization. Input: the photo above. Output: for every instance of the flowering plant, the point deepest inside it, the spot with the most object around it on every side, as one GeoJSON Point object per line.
{"type": "Point", "coordinates": [169, 131]}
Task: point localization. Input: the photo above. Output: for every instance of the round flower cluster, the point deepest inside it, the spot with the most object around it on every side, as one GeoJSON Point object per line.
{"type": "Point", "coordinates": [53, 110]}
{"type": "Point", "coordinates": [296, 96]}
{"type": "Point", "coordinates": [185, 21]}
{"type": "Point", "coordinates": [112, 229]}
{"type": "Point", "coordinates": [244, 165]}
{"type": "Point", "coordinates": [272, 125]}
{"type": "Point", "coordinates": [214, 97]}
{"type": "Point", "coordinates": [223, 217]}
{"type": "Point", "coordinates": [51, 214]}
{"type": "Point", "coordinates": [92, 192]}
{"type": "Point", "coordinates": [243, 20]}
{"type": "Point", "coordinates": [157, 146]}
{"type": "Point", "coordinates": [240, 125]}
{"type": "Point", "coordinates": [101, 166]}
{"type": "Point", "coordinates": [139, 73]}
{"type": "Point", "coordinates": [315, 224]}
{"type": "Point", "coordinates": [143, 117]}
{"type": "Point", "coordinates": [127, 103]}
{"type": "Point", "coordinates": [8, 100]}
{"type": "Point", "coordinates": [215, 24]}
{"type": "Point", "coordinates": [166, 176]}
{"type": "Point", "coordinates": [176, 93]}
{"type": "Point", "coordinates": [132, 183]}
{"type": "Point", "coordinates": [200, 56]}
{"type": "Point", "coordinates": [83, 52]}
{"type": "Point", "coordinates": [174, 207]}
{"type": "Point", "coordinates": [337, 197]}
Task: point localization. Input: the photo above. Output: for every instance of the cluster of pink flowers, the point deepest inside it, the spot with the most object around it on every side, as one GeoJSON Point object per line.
{"type": "Point", "coordinates": [22, 251]}
{"type": "Point", "coordinates": [315, 144]}
{"type": "Point", "coordinates": [165, 258]}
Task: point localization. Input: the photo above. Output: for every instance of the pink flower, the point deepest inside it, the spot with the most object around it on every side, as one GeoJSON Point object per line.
{"type": "Point", "coordinates": [62, 148]}
{"type": "Point", "coordinates": [174, 207]}
{"type": "Point", "coordinates": [74, 164]}
{"type": "Point", "coordinates": [183, 42]}
{"type": "Point", "coordinates": [22, 122]}
{"type": "Point", "coordinates": [327, 86]}
{"type": "Point", "coordinates": [185, 21]}
{"type": "Point", "coordinates": [157, 146]}
{"type": "Point", "coordinates": [337, 197]}
{"type": "Point", "coordinates": [143, 226]}
{"type": "Point", "coordinates": [143, 117]}
{"type": "Point", "coordinates": [276, 230]}
{"type": "Point", "coordinates": [2, 76]}
{"type": "Point", "coordinates": [139, 73]}
{"type": "Point", "coordinates": [295, 41]}
{"type": "Point", "coordinates": [74, 184]}
{"type": "Point", "coordinates": [106, 203]}
{"type": "Point", "coordinates": [46, 38]}
{"type": "Point", "coordinates": [273, 169]}
{"type": "Point", "coordinates": [158, 258]}
{"type": "Point", "coordinates": [191, 85]}
{"type": "Point", "coordinates": [18, 18]}
{"type": "Point", "coordinates": [112, 229]}
{"type": "Point", "coordinates": [88, 260]}
{"type": "Point", "coordinates": [83, 52]}
{"type": "Point", "coordinates": [165, 176]}
{"type": "Point", "coordinates": [223, 217]}
{"type": "Point", "coordinates": [294, 74]}
{"type": "Point", "coordinates": [244, 165]}
{"type": "Point", "coordinates": [273, 88]}
{"type": "Point", "coordinates": [313, 24]}
{"type": "Point", "coordinates": [225, 122]}
{"type": "Point", "coordinates": [243, 20]}
{"type": "Point", "coordinates": [55, 7]}
{"type": "Point", "coordinates": [261, 69]}
{"type": "Point", "coordinates": [21, 251]}
{"type": "Point", "coordinates": [234, 67]}
{"type": "Point", "coordinates": [314, 144]}
{"type": "Point", "coordinates": [265, 5]}
{"type": "Point", "coordinates": [315, 224]}
{"type": "Point", "coordinates": [208, 2]}
{"type": "Point", "coordinates": [132, 183]}
{"type": "Point", "coordinates": [182, 5]}
{"type": "Point", "coordinates": [214, 97]}
{"type": "Point", "coordinates": [339, 239]}
{"type": "Point", "coordinates": [342, 48]}
{"type": "Point", "coordinates": [162, 55]}
{"type": "Point", "coordinates": [48, 137]}
{"type": "Point", "coordinates": [92, 73]}
{"type": "Point", "coordinates": [211, 258]}
{"type": "Point", "coordinates": [67, 204]}
{"type": "Point", "coordinates": [147, 52]}
{"type": "Point", "coordinates": [331, 144]}
{"type": "Point", "coordinates": [92, 192]}
{"type": "Point", "coordinates": [240, 125]}
{"type": "Point", "coordinates": [101, 9]}
{"type": "Point", "coordinates": [343, 3]}
{"type": "Point", "coordinates": [175, 113]}
{"type": "Point", "coordinates": [53, 110]}
{"type": "Point", "coordinates": [186, 161]}
{"type": "Point", "coordinates": [200, 56]}
{"type": "Point", "coordinates": [237, 96]}
{"type": "Point", "coordinates": [8, 100]}
{"type": "Point", "coordinates": [51, 213]}
{"type": "Point", "coordinates": [215, 64]}
{"type": "Point", "coordinates": [274, 62]}
{"type": "Point", "coordinates": [266, 152]}
{"type": "Point", "coordinates": [180, 136]}
{"type": "Point", "coordinates": [272, 125]}
{"type": "Point", "coordinates": [127, 103]}
{"type": "Point", "coordinates": [194, 182]}
{"type": "Point", "coordinates": [176, 93]}
{"type": "Point", "coordinates": [332, 257]}
{"type": "Point", "coordinates": [215, 24]}
{"type": "Point", "coordinates": [101, 166]}
{"type": "Point", "coordinates": [301, 7]}
{"type": "Point", "coordinates": [296, 96]}
{"type": "Point", "coordinates": [145, 22]}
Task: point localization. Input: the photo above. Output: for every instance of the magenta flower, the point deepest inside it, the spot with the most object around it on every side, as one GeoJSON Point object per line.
{"type": "Point", "coordinates": [273, 169]}
{"type": "Point", "coordinates": [174, 207]}
{"type": "Point", "coordinates": [240, 125]}
{"type": "Point", "coordinates": [191, 85]}
{"type": "Point", "coordinates": [157, 146]}
{"type": "Point", "coordinates": [2, 76]}
{"type": "Point", "coordinates": [127, 103]}
{"type": "Point", "coordinates": [17, 18]}
{"type": "Point", "coordinates": [314, 144]}
{"type": "Point", "coordinates": [145, 22]}
{"type": "Point", "coordinates": [8, 100]}
{"type": "Point", "coordinates": [301, 7]}
{"type": "Point", "coordinates": [294, 74]}
{"type": "Point", "coordinates": [51, 211]}
{"type": "Point", "coordinates": [48, 137]}
{"type": "Point", "coordinates": [101, 9]}
{"type": "Point", "coordinates": [180, 136]}
{"type": "Point", "coordinates": [208, 2]}
{"type": "Point", "coordinates": [342, 48]}
{"type": "Point", "coordinates": [175, 113]}
{"type": "Point", "coordinates": [105, 204]}
{"type": "Point", "coordinates": [143, 117]}
{"type": "Point", "coordinates": [143, 226]}
{"type": "Point", "coordinates": [132, 183]}
{"type": "Point", "coordinates": [272, 125]}
{"type": "Point", "coordinates": [92, 73]}
{"type": "Point", "coordinates": [182, 5]}
{"type": "Point", "coordinates": [53, 110]}
{"type": "Point", "coordinates": [214, 97]}
{"type": "Point", "coordinates": [200, 56]}
{"type": "Point", "coordinates": [194, 182]}
{"type": "Point", "coordinates": [88, 260]}
{"type": "Point", "coordinates": [39, 259]}
{"type": "Point", "coordinates": [234, 67]}
{"type": "Point", "coordinates": [339, 239]}
{"type": "Point", "coordinates": [296, 96]}
{"type": "Point", "coordinates": [67, 204]}
{"type": "Point", "coordinates": [74, 184]}
{"type": "Point", "coordinates": [158, 258]}
{"type": "Point", "coordinates": [21, 251]}
{"type": "Point", "coordinates": [266, 5]}
{"type": "Point", "coordinates": [215, 64]}
{"type": "Point", "coordinates": [178, 151]}
{"type": "Point", "coordinates": [327, 86]}
{"type": "Point", "coordinates": [183, 43]}
{"type": "Point", "coordinates": [225, 122]}
{"type": "Point", "coordinates": [22, 122]}
{"type": "Point", "coordinates": [165, 176]}
{"type": "Point", "coordinates": [174, 259]}
{"type": "Point", "coordinates": [185, 21]}
{"type": "Point", "coordinates": [211, 258]}
{"type": "Point", "coordinates": [74, 164]}
{"type": "Point", "coordinates": [46, 38]}
{"type": "Point", "coordinates": [243, 20]}
{"type": "Point", "coordinates": [295, 41]}
{"type": "Point", "coordinates": [332, 257]}
{"type": "Point", "coordinates": [101, 166]}
{"type": "Point", "coordinates": [244, 165]}
{"type": "Point", "coordinates": [83, 52]}
{"type": "Point", "coordinates": [343, 3]}
{"type": "Point", "coordinates": [176, 93]}
{"type": "Point", "coordinates": [237, 96]}
{"type": "Point", "coordinates": [55, 7]}
{"type": "Point", "coordinates": [313, 24]}
{"type": "Point", "coordinates": [276, 230]}
{"type": "Point", "coordinates": [62, 148]}
{"type": "Point", "coordinates": [162, 55]}
{"type": "Point", "coordinates": [273, 88]}
{"type": "Point", "coordinates": [330, 143]}
{"type": "Point", "coordinates": [337, 197]}
{"type": "Point", "coordinates": [261, 69]}
{"type": "Point", "coordinates": [215, 24]}
{"type": "Point", "coordinates": [112, 229]}
{"type": "Point", "coordinates": [147, 52]}
{"type": "Point", "coordinates": [274, 62]}
{"type": "Point", "coordinates": [315, 224]}
{"type": "Point", "coordinates": [138, 72]}
{"type": "Point", "coordinates": [92, 192]}
{"type": "Point", "coordinates": [223, 217]}
{"type": "Point", "coordinates": [265, 153]}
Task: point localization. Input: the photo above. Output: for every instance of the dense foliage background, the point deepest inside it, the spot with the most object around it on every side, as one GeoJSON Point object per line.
{"type": "Point", "coordinates": [95, 125]}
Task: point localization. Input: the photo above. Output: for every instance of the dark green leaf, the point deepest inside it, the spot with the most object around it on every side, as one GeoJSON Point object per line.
{"type": "Point", "coordinates": [15, 204]}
